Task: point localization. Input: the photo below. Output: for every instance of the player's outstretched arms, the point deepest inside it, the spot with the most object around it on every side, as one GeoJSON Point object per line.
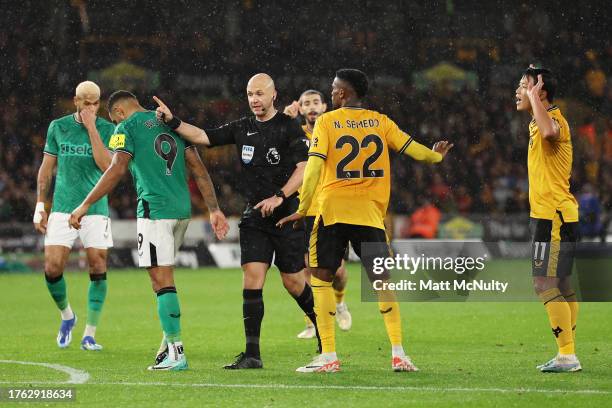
{"type": "Point", "coordinates": [423, 153]}
{"type": "Point", "coordinates": [105, 185]}
{"type": "Point", "coordinates": [45, 173]}
{"type": "Point", "coordinates": [101, 155]}
{"type": "Point", "coordinates": [191, 133]}
{"type": "Point", "coordinates": [202, 178]}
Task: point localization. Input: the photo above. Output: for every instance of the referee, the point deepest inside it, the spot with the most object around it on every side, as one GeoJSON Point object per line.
{"type": "Point", "coordinates": [273, 152]}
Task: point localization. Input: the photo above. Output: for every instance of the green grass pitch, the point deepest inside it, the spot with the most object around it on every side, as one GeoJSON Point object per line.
{"type": "Point", "coordinates": [479, 354]}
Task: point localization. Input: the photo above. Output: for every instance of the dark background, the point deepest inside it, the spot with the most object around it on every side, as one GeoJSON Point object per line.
{"type": "Point", "coordinates": [198, 56]}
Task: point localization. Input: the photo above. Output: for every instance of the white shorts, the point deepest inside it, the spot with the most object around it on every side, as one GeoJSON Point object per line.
{"type": "Point", "coordinates": [159, 241]}
{"type": "Point", "coordinates": [95, 231]}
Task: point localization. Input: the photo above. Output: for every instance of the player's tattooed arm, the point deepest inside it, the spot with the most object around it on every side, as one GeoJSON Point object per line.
{"type": "Point", "coordinates": [101, 155]}
{"type": "Point", "coordinates": [106, 184]}
{"type": "Point", "coordinates": [549, 128]}
{"type": "Point", "coordinates": [45, 174]}
{"type": "Point", "coordinates": [207, 189]}
{"type": "Point", "coordinates": [191, 133]}
{"type": "Point", "coordinates": [202, 178]}
{"type": "Point", "coordinates": [43, 186]}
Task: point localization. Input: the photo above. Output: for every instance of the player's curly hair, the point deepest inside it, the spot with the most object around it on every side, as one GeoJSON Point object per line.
{"type": "Point", "coordinates": [550, 81]}
{"type": "Point", "coordinates": [356, 78]}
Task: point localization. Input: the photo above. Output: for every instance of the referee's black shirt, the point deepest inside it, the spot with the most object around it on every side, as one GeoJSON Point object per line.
{"type": "Point", "coordinates": [268, 153]}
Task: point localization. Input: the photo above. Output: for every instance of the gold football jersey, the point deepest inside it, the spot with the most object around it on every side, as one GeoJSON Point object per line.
{"type": "Point", "coordinates": [549, 166]}
{"type": "Point", "coordinates": [356, 180]}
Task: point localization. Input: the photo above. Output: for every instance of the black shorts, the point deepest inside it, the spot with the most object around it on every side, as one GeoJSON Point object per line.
{"type": "Point", "coordinates": [309, 221]}
{"type": "Point", "coordinates": [285, 245]}
{"type": "Point", "coordinates": [329, 244]}
{"type": "Point", "coordinates": [553, 246]}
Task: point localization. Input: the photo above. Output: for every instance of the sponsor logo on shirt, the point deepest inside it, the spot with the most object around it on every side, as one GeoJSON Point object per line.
{"type": "Point", "coordinates": [69, 149]}
{"type": "Point", "coordinates": [247, 153]}
{"type": "Point", "coordinates": [117, 141]}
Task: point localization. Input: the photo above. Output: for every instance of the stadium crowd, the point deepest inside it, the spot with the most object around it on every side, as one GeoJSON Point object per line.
{"type": "Point", "coordinates": [486, 171]}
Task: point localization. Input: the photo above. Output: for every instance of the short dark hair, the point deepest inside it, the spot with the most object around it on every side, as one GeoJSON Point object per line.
{"type": "Point", "coordinates": [550, 81]}
{"type": "Point", "coordinates": [313, 92]}
{"type": "Point", "coordinates": [117, 96]}
{"type": "Point", "coordinates": [356, 78]}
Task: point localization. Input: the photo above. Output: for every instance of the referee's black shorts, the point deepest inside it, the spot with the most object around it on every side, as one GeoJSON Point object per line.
{"type": "Point", "coordinates": [283, 246]}
{"type": "Point", "coordinates": [553, 246]}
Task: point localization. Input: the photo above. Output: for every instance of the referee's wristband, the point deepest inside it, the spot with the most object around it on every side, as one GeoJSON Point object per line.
{"type": "Point", "coordinates": [40, 207]}
{"type": "Point", "coordinates": [174, 123]}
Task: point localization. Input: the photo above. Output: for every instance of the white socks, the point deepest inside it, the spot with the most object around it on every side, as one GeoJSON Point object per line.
{"type": "Point", "coordinates": [90, 331]}
{"type": "Point", "coordinates": [398, 351]}
{"type": "Point", "coordinates": [67, 313]}
{"type": "Point", "coordinates": [328, 357]}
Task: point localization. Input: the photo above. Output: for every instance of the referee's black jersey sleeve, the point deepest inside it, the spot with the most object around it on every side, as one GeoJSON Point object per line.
{"type": "Point", "coordinates": [298, 145]}
{"type": "Point", "coordinates": [223, 135]}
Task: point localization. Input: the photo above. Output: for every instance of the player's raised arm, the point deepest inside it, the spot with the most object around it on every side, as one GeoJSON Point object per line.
{"type": "Point", "coordinates": [191, 133]}
{"type": "Point", "coordinates": [205, 185]}
{"type": "Point", "coordinates": [101, 155]}
{"type": "Point", "coordinates": [105, 185]}
{"type": "Point", "coordinates": [549, 129]}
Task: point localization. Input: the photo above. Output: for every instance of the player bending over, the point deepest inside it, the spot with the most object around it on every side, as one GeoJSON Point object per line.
{"type": "Point", "coordinates": [157, 158]}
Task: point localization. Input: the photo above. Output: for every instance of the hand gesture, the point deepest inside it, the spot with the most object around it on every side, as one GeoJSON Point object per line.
{"type": "Point", "coordinates": [295, 217]}
{"type": "Point", "coordinates": [442, 147]}
{"type": "Point", "coordinates": [77, 215]}
{"type": "Point", "coordinates": [292, 110]}
{"type": "Point", "coordinates": [40, 221]}
{"type": "Point", "coordinates": [88, 116]}
{"type": "Point", "coordinates": [163, 112]}
{"type": "Point", "coordinates": [268, 205]}
{"type": "Point", "coordinates": [533, 91]}
{"type": "Point", "coordinates": [219, 224]}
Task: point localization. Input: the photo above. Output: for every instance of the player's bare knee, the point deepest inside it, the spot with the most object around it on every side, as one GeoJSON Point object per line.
{"type": "Point", "coordinates": [543, 283]}
{"type": "Point", "coordinates": [53, 268]}
{"type": "Point", "coordinates": [293, 282]}
{"type": "Point", "coordinates": [565, 286]}
{"type": "Point", "coordinates": [322, 274]}
{"type": "Point", "coordinates": [97, 266]}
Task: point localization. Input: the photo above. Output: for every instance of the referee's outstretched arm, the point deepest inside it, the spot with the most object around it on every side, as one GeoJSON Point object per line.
{"type": "Point", "coordinates": [191, 133]}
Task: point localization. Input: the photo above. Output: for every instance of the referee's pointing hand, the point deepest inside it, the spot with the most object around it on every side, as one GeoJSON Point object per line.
{"type": "Point", "coordinates": [162, 111]}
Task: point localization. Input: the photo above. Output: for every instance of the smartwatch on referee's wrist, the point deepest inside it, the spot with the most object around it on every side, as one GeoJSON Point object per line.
{"type": "Point", "coordinates": [281, 194]}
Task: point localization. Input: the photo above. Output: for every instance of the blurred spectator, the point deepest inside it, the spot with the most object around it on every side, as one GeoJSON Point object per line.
{"type": "Point", "coordinates": [424, 221]}
{"type": "Point", "coordinates": [590, 213]}
{"type": "Point", "coordinates": [201, 69]}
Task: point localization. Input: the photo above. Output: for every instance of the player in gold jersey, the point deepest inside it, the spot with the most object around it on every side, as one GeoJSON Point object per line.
{"type": "Point", "coordinates": [349, 157]}
{"type": "Point", "coordinates": [554, 211]}
{"type": "Point", "coordinates": [310, 106]}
